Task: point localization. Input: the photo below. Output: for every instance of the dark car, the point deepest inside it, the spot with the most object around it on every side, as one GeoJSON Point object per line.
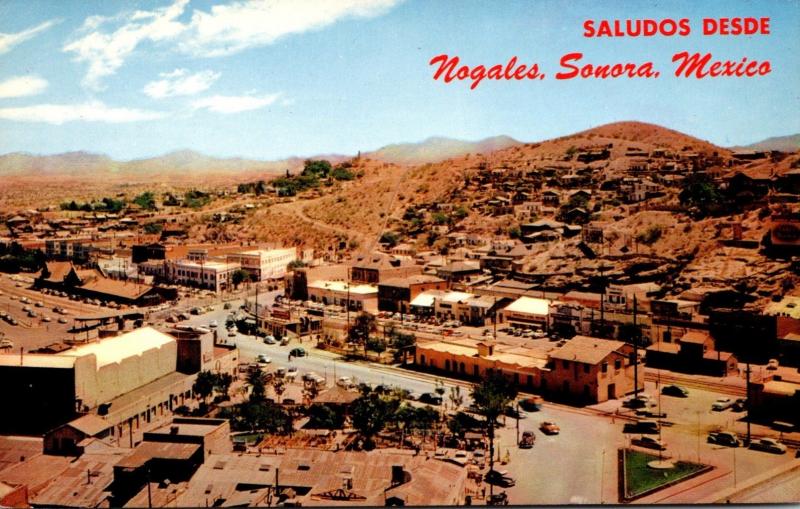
{"type": "Point", "coordinates": [740, 405]}
{"type": "Point", "coordinates": [675, 390]}
{"type": "Point", "coordinates": [430, 398]}
{"type": "Point", "coordinates": [298, 352]}
{"type": "Point", "coordinates": [726, 438]}
{"type": "Point", "coordinates": [499, 478]}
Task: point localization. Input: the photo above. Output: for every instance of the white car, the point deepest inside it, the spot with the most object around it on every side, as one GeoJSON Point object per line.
{"type": "Point", "coordinates": [721, 404]}
{"type": "Point", "coordinates": [345, 381]}
{"type": "Point", "coordinates": [263, 359]}
{"type": "Point", "coordinates": [213, 324]}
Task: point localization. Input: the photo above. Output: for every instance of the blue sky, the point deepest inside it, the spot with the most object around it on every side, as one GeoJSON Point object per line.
{"type": "Point", "coordinates": [270, 79]}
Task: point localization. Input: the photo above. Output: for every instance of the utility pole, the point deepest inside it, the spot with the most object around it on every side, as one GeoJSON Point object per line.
{"type": "Point", "coordinates": [149, 495]}
{"type": "Point", "coordinates": [747, 402]}
{"type": "Point", "coordinates": [635, 353]}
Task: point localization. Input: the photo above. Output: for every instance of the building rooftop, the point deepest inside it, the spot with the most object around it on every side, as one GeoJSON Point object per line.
{"type": "Point", "coordinates": [788, 306]}
{"type": "Point", "coordinates": [695, 337]}
{"type": "Point", "coordinates": [89, 424]}
{"type": "Point", "coordinates": [586, 349]}
{"type": "Point", "coordinates": [342, 286]}
{"type": "Point", "coordinates": [119, 348]}
{"type": "Point", "coordinates": [530, 306]}
{"type": "Point", "coordinates": [405, 282]}
{"type": "Point", "coordinates": [146, 451]}
{"type": "Point", "coordinates": [187, 426]}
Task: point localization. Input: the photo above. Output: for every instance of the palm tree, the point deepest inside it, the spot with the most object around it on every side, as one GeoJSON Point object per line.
{"type": "Point", "coordinates": [491, 396]}
{"type": "Point", "coordinates": [255, 379]}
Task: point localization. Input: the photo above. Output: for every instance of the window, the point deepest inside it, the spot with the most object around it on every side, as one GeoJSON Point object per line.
{"type": "Point", "coordinates": [617, 364]}
{"type": "Point", "coordinates": [586, 368]}
{"type": "Point", "coordinates": [604, 367]}
{"type": "Point", "coordinates": [565, 364]}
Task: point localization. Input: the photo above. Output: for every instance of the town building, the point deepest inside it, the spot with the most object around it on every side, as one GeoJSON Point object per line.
{"type": "Point", "coordinates": [379, 267]}
{"type": "Point", "coordinates": [591, 370]}
{"type": "Point", "coordinates": [92, 284]}
{"type": "Point", "coordinates": [527, 313]}
{"type": "Point", "coordinates": [76, 249]}
{"type": "Point", "coordinates": [395, 295]}
{"type": "Point", "coordinates": [358, 297]}
{"type": "Point", "coordinates": [585, 369]}
{"type": "Point", "coordinates": [264, 264]}
{"type": "Point", "coordinates": [693, 353]}
{"type": "Point", "coordinates": [130, 381]}
{"type": "Point", "coordinates": [212, 275]}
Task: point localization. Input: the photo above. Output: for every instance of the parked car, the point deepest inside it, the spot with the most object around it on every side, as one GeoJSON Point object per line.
{"type": "Point", "coordinates": [263, 359]}
{"type": "Point", "coordinates": [527, 440]}
{"type": "Point", "coordinates": [213, 324]}
{"type": "Point", "coordinates": [497, 499]}
{"type": "Point", "coordinates": [649, 443]}
{"type": "Point", "coordinates": [740, 405]}
{"type": "Point", "coordinates": [39, 304]}
{"type": "Point", "coordinates": [721, 404]}
{"type": "Point", "coordinates": [772, 364]}
{"type": "Point", "coordinates": [298, 352]}
{"type": "Point", "coordinates": [61, 319]}
{"type": "Point", "coordinates": [345, 381]}
{"type": "Point", "coordinates": [768, 445]}
{"type": "Point", "coordinates": [641, 400]}
{"type": "Point", "coordinates": [726, 438]}
{"type": "Point", "coordinates": [430, 398]}
{"type": "Point", "coordinates": [270, 340]}
{"type": "Point", "coordinates": [231, 333]}
{"type": "Point", "coordinates": [675, 390]}
{"type": "Point", "coordinates": [642, 427]}
{"type": "Point", "coordinates": [499, 478]}
{"type": "Point", "coordinates": [549, 428]}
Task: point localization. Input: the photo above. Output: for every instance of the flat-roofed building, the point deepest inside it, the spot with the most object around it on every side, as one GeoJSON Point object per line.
{"type": "Point", "coordinates": [396, 294]}
{"type": "Point", "coordinates": [526, 312]}
{"type": "Point", "coordinates": [213, 275]}
{"type": "Point", "coordinates": [265, 264]}
{"type": "Point", "coordinates": [130, 376]}
{"type": "Point", "coordinates": [359, 297]}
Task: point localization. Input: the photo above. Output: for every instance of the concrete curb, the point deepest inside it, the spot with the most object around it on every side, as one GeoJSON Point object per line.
{"type": "Point", "coordinates": [723, 495]}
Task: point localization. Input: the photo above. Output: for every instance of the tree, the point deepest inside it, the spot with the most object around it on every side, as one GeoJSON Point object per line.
{"type": "Point", "coordinates": [324, 417]}
{"type": "Point", "coordinates": [389, 238]}
{"type": "Point", "coordinates": [491, 397]}
{"type": "Point", "coordinates": [223, 383]}
{"type": "Point", "coordinates": [257, 416]}
{"type": "Point", "coordinates": [238, 277]}
{"type": "Point", "coordinates": [317, 168]}
{"type": "Point", "coordinates": [146, 200]}
{"type": "Point", "coordinates": [456, 398]}
{"type": "Point", "coordinates": [203, 385]}
{"type": "Point", "coordinates": [279, 386]}
{"type": "Point", "coordinates": [255, 379]}
{"type": "Point", "coordinates": [362, 327]}
{"type": "Point", "coordinates": [369, 416]}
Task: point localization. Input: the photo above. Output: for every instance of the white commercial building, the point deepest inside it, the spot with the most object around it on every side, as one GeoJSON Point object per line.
{"type": "Point", "coordinates": [204, 274]}
{"type": "Point", "coordinates": [339, 293]}
{"type": "Point", "coordinates": [527, 312]}
{"type": "Point", "coordinates": [265, 264]}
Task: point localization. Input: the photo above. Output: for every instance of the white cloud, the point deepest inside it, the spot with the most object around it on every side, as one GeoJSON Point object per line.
{"type": "Point", "coordinates": [234, 104]}
{"type": "Point", "coordinates": [222, 30]}
{"type": "Point", "coordinates": [8, 41]}
{"type": "Point", "coordinates": [180, 82]}
{"type": "Point", "coordinates": [22, 86]}
{"type": "Point", "coordinates": [107, 52]}
{"type": "Point", "coordinates": [94, 111]}
{"type": "Point", "coordinates": [226, 29]}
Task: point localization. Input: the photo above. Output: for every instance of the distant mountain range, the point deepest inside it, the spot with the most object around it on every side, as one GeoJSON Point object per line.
{"type": "Point", "coordinates": [435, 149]}
{"type": "Point", "coordinates": [179, 162]}
{"type": "Point", "coordinates": [790, 143]}
{"type": "Point", "coordinates": [430, 150]}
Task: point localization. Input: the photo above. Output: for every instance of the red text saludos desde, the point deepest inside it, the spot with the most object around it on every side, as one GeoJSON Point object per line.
{"type": "Point", "coordinates": [669, 27]}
